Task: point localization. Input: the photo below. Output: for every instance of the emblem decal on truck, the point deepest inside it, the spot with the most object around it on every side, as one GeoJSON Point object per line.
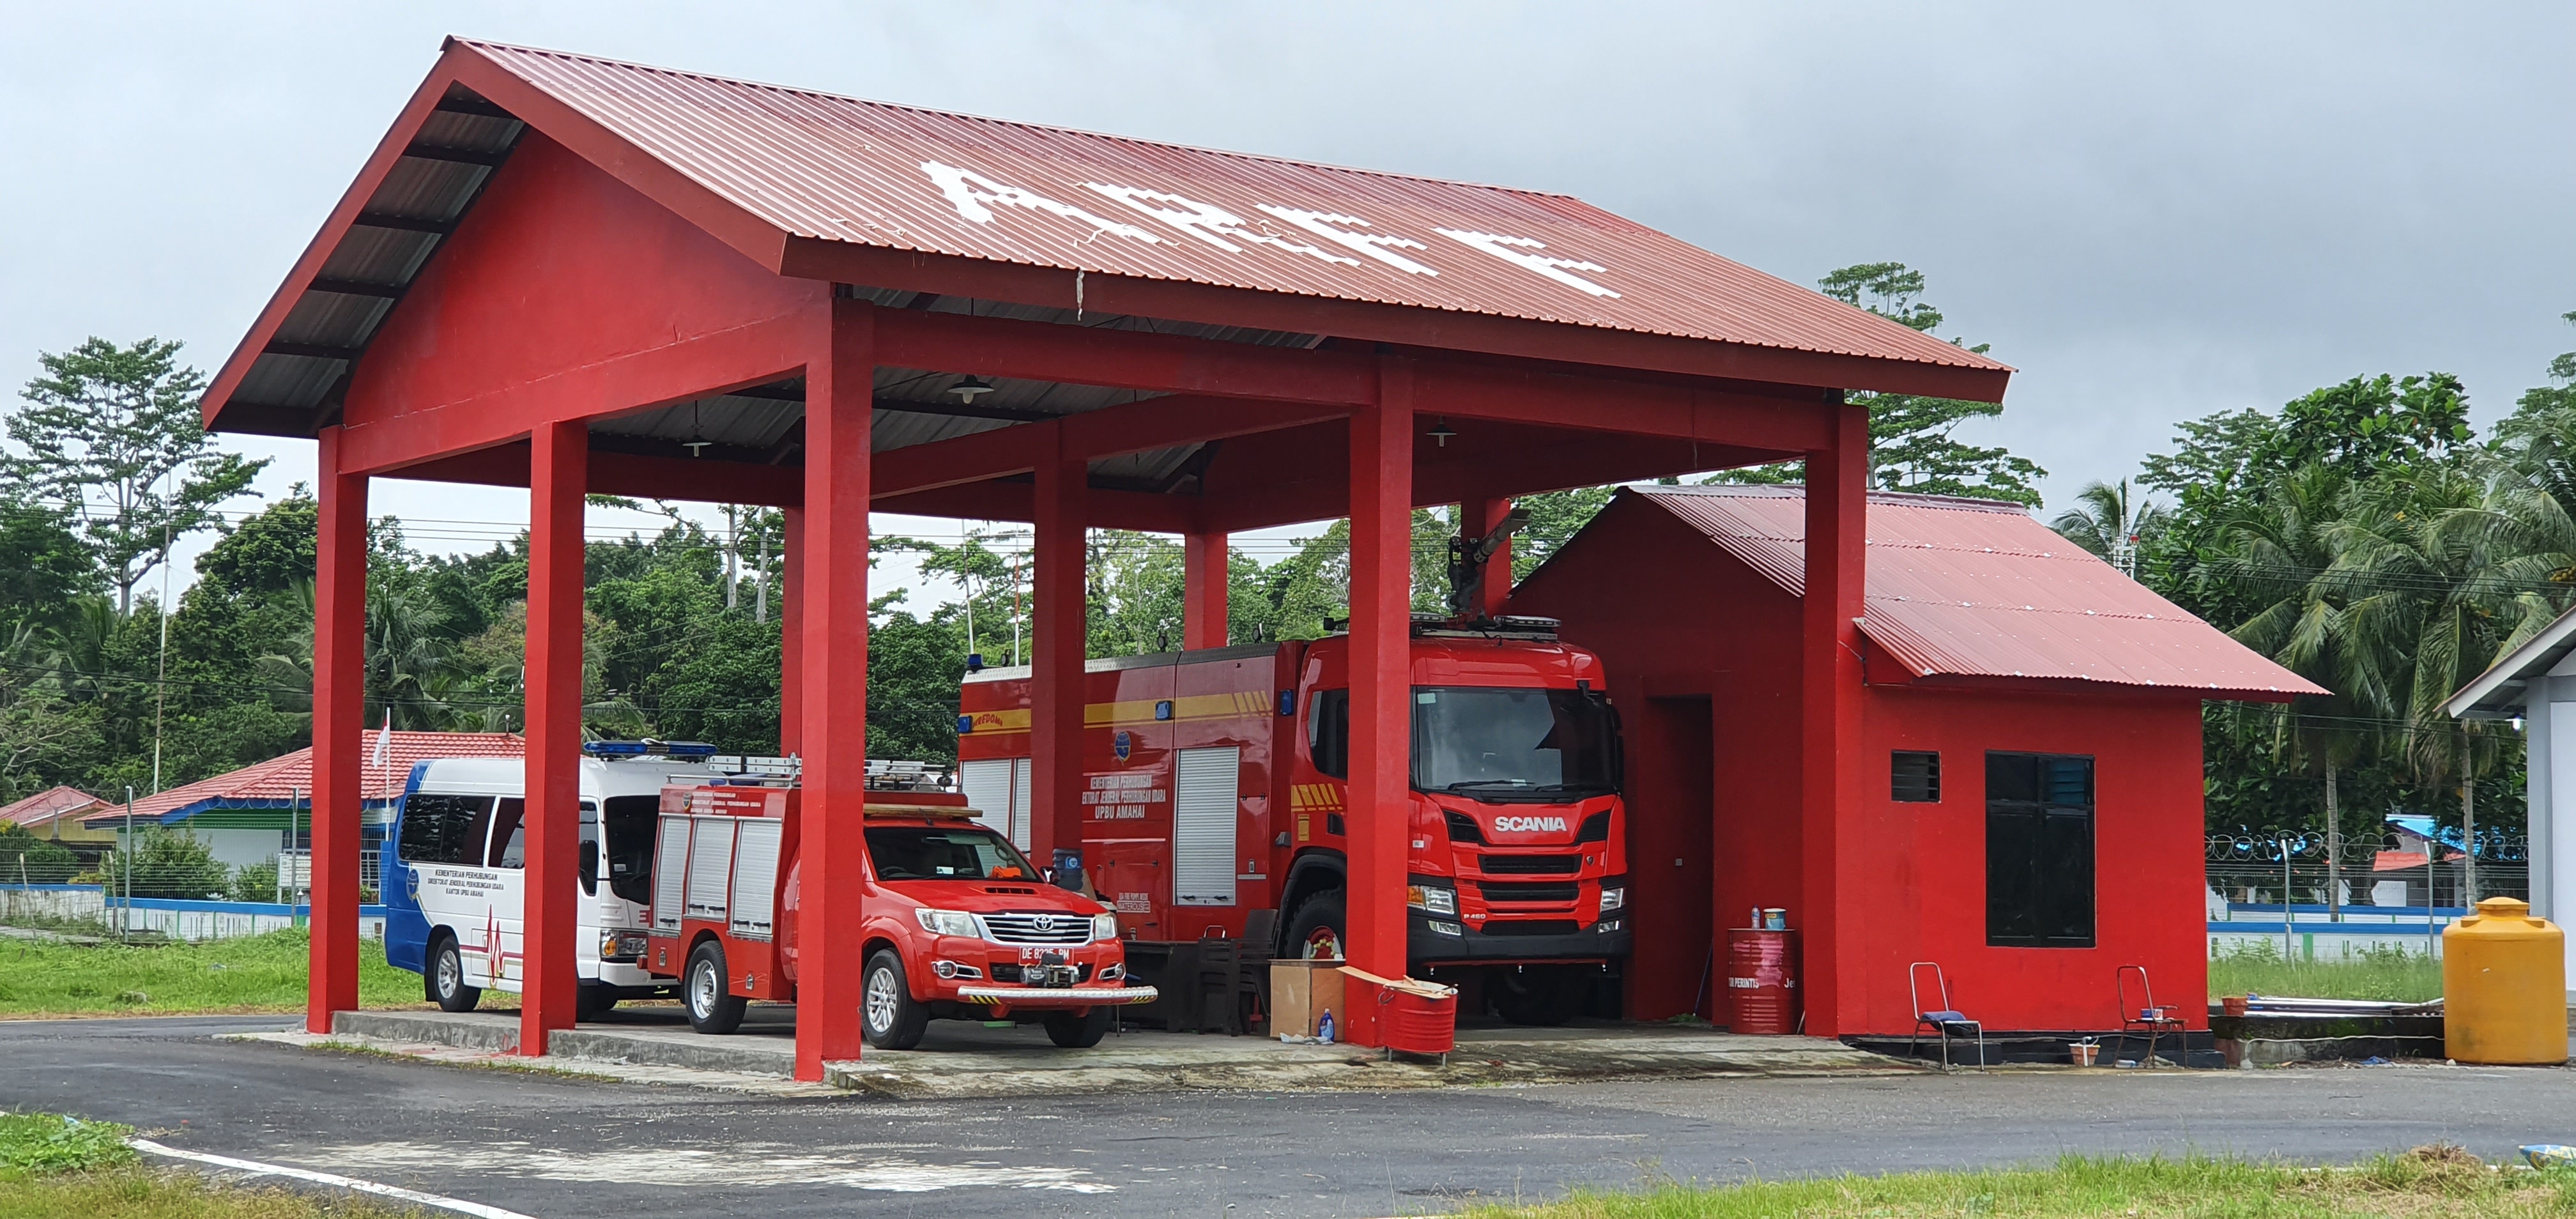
{"type": "Point", "coordinates": [1520, 825]}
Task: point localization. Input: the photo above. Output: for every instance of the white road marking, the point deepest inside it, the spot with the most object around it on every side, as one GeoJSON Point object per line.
{"type": "Point", "coordinates": [880, 1167]}
{"type": "Point", "coordinates": [257, 1169]}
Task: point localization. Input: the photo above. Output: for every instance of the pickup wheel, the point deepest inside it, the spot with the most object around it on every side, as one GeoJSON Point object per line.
{"type": "Point", "coordinates": [445, 977]}
{"type": "Point", "coordinates": [889, 1016]}
{"type": "Point", "coordinates": [1315, 931]}
{"type": "Point", "coordinates": [1077, 1032]}
{"type": "Point", "coordinates": [712, 1006]}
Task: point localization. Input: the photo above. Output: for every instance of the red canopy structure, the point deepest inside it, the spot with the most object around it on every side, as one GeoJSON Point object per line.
{"type": "Point", "coordinates": [577, 276]}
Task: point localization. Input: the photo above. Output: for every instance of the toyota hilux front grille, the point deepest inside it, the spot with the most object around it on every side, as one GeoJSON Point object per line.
{"type": "Point", "coordinates": [1037, 928]}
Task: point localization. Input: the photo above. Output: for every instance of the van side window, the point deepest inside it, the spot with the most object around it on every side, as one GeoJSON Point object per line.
{"type": "Point", "coordinates": [442, 829]}
{"type": "Point", "coordinates": [509, 835]}
{"type": "Point", "coordinates": [1328, 732]}
{"type": "Point", "coordinates": [478, 834]}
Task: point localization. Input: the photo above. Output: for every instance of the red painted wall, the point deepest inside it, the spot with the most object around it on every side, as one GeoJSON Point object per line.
{"type": "Point", "coordinates": [559, 268]}
{"type": "Point", "coordinates": [1673, 615]}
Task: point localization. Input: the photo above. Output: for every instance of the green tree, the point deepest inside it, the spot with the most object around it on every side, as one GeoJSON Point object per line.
{"type": "Point", "coordinates": [2110, 521]}
{"type": "Point", "coordinates": [162, 863]}
{"type": "Point", "coordinates": [113, 432]}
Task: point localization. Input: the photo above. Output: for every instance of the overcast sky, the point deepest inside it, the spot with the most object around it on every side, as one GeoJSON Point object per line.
{"type": "Point", "coordinates": [2153, 215]}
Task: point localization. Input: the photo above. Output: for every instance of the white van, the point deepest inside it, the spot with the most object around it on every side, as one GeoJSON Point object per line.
{"type": "Point", "coordinates": [455, 858]}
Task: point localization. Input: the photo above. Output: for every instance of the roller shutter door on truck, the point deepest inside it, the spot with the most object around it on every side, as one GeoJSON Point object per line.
{"type": "Point", "coordinates": [998, 790]}
{"type": "Point", "coordinates": [1203, 823]}
{"type": "Point", "coordinates": [710, 867]}
{"type": "Point", "coordinates": [755, 877]}
{"type": "Point", "coordinates": [670, 878]}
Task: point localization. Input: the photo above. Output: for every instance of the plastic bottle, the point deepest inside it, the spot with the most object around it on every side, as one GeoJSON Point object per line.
{"type": "Point", "coordinates": [1324, 1028]}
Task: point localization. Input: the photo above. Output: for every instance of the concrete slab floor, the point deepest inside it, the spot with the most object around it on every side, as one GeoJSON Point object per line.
{"type": "Point", "coordinates": [962, 1059]}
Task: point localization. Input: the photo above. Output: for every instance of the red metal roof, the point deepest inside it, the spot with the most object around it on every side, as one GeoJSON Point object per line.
{"type": "Point", "coordinates": [840, 169]}
{"type": "Point", "coordinates": [45, 806]}
{"type": "Point", "coordinates": [1975, 588]}
{"type": "Point", "coordinates": [781, 173]}
{"type": "Point", "coordinates": [290, 776]}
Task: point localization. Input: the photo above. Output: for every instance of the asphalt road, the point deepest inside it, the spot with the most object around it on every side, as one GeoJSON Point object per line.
{"type": "Point", "coordinates": [555, 1147]}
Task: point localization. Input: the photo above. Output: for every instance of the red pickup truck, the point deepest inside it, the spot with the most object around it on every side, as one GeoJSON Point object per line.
{"type": "Point", "coordinates": [954, 922]}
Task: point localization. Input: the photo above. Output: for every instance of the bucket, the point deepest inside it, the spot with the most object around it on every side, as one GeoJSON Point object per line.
{"type": "Point", "coordinates": [2082, 1053]}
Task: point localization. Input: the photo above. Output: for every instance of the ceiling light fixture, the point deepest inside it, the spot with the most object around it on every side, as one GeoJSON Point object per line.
{"type": "Point", "coordinates": [968, 389]}
{"type": "Point", "coordinates": [1441, 432]}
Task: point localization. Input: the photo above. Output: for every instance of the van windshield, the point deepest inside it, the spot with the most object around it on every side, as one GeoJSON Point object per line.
{"type": "Point", "coordinates": [918, 852]}
{"type": "Point", "coordinates": [1514, 743]}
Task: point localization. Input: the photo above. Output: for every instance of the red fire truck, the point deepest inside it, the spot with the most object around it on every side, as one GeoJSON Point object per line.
{"type": "Point", "coordinates": [1215, 787]}
{"type": "Point", "coordinates": [954, 922]}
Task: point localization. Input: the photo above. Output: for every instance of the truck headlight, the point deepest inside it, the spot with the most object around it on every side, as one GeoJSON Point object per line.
{"type": "Point", "coordinates": [1432, 899]}
{"type": "Point", "coordinates": [1104, 926]}
{"type": "Point", "coordinates": [1613, 899]}
{"type": "Point", "coordinates": [947, 922]}
{"type": "Point", "coordinates": [619, 945]}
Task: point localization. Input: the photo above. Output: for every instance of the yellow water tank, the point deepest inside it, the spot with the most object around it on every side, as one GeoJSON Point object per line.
{"type": "Point", "coordinates": [2504, 986]}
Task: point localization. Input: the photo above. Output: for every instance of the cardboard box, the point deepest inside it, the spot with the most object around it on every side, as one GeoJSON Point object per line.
{"type": "Point", "coordinates": [1301, 992]}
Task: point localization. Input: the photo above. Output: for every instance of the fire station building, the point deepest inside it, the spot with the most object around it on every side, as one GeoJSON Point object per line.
{"type": "Point", "coordinates": [2029, 721]}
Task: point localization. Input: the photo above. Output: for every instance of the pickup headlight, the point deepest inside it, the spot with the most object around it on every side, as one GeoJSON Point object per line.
{"type": "Point", "coordinates": [1431, 899]}
{"type": "Point", "coordinates": [1104, 926]}
{"type": "Point", "coordinates": [1613, 899]}
{"type": "Point", "coordinates": [948, 922]}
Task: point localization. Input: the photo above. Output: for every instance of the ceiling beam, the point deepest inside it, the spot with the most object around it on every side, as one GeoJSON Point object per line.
{"type": "Point", "coordinates": [313, 351]}
{"type": "Point", "coordinates": [408, 224]}
{"type": "Point", "coordinates": [460, 156]}
{"type": "Point", "coordinates": [351, 287]}
{"type": "Point", "coordinates": [1137, 427]}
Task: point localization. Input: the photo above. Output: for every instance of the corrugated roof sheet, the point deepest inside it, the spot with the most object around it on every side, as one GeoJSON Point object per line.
{"type": "Point", "coordinates": [1973, 588]}
{"type": "Point", "coordinates": [840, 169]}
{"type": "Point", "coordinates": [290, 776]}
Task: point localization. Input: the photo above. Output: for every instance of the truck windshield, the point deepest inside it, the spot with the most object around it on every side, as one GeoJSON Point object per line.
{"type": "Point", "coordinates": [1501, 742]}
{"type": "Point", "coordinates": [914, 852]}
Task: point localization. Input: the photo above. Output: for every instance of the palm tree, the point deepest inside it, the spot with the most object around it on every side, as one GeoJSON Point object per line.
{"type": "Point", "coordinates": [2108, 522]}
{"type": "Point", "coordinates": [2277, 548]}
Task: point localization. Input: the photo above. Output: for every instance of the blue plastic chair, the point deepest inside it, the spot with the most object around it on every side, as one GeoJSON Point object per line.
{"type": "Point", "coordinates": [1942, 1020]}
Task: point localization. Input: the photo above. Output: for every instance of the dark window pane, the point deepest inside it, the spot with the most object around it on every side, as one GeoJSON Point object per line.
{"type": "Point", "coordinates": [475, 834]}
{"type": "Point", "coordinates": [442, 828]}
{"type": "Point", "coordinates": [630, 846]}
{"type": "Point", "coordinates": [1914, 777]}
{"type": "Point", "coordinates": [2065, 915]}
{"type": "Point", "coordinates": [2012, 776]}
{"type": "Point", "coordinates": [919, 853]}
{"type": "Point", "coordinates": [2012, 898]}
{"type": "Point", "coordinates": [2069, 781]}
{"type": "Point", "coordinates": [509, 834]}
{"type": "Point", "coordinates": [1328, 732]}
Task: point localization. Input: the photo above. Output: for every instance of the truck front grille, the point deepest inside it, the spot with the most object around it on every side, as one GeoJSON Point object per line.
{"type": "Point", "coordinates": [1040, 928]}
{"type": "Point", "coordinates": [1530, 865]}
{"type": "Point", "coordinates": [1556, 892]}
{"type": "Point", "coordinates": [1536, 926]}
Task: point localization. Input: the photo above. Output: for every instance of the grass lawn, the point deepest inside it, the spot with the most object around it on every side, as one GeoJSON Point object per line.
{"type": "Point", "coordinates": [261, 973]}
{"type": "Point", "coordinates": [2388, 973]}
{"type": "Point", "coordinates": [2427, 1183]}
{"type": "Point", "coordinates": [51, 1166]}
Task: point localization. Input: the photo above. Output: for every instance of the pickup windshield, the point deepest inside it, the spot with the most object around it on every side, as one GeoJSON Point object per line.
{"type": "Point", "coordinates": [1507, 743]}
{"type": "Point", "coordinates": [912, 852]}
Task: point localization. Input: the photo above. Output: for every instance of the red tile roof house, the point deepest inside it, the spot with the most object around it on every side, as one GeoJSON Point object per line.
{"type": "Point", "coordinates": [244, 816]}
{"type": "Point", "coordinates": [2029, 752]}
{"type": "Point", "coordinates": [55, 816]}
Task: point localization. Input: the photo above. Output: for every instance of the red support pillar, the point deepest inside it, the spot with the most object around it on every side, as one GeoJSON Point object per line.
{"type": "Point", "coordinates": [1380, 791]}
{"type": "Point", "coordinates": [791, 633]}
{"type": "Point", "coordinates": [839, 387]}
{"type": "Point", "coordinates": [1203, 578]}
{"type": "Point", "coordinates": [339, 715]}
{"type": "Point", "coordinates": [558, 477]}
{"type": "Point", "coordinates": [1829, 717]}
{"type": "Point", "coordinates": [1060, 636]}
{"type": "Point", "coordinates": [1481, 516]}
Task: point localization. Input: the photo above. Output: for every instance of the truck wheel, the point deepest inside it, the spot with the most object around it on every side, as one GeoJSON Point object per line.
{"type": "Point", "coordinates": [445, 980]}
{"type": "Point", "coordinates": [1077, 1032]}
{"type": "Point", "coordinates": [888, 1014]}
{"type": "Point", "coordinates": [593, 1002]}
{"type": "Point", "coordinates": [1315, 931]}
{"type": "Point", "coordinates": [1537, 995]}
{"type": "Point", "coordinates": [712, 1008]}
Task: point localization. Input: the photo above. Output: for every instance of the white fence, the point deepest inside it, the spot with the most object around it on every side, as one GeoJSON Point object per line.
{"type": "Point", "coordinates": [176, 918]}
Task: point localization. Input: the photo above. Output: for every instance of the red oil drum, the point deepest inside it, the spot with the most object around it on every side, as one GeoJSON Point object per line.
{"type": "Point", "coordinates": [1416, 1023]}
{"type": "Point", "coordinates": [1762, 975]}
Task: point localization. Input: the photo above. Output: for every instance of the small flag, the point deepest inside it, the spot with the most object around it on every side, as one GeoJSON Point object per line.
{"type": "Point", "coordinates": [385, 739]}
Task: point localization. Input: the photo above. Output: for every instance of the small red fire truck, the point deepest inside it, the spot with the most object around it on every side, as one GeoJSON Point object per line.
{"type": "Point", "coordinates": [954, 922]}
{"type": "Point", "coordinates": [1215, 787]}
